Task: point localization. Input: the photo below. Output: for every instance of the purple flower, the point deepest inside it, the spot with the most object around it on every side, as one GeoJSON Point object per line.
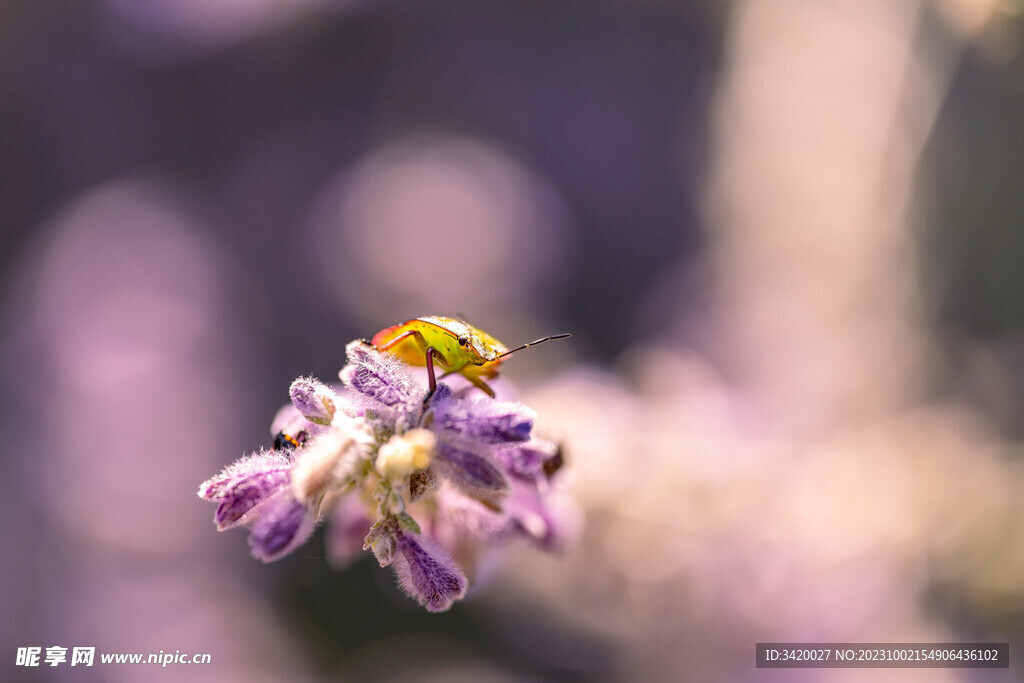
{"type": "Point", "coordinates": [532, 511]}
{"type": "Point", "coordinates": [347, 531]}
{"type": "Point", "coordinates": [462, 519]}
{"type": "Point", "coordinates": [469, 431]}
{"type": "Point", "coordinates": [380, 378]}
{"type": "Point", "coordinates": [256, 490]}
{"type": "Point", "coordinates": [373, 446]}
{"type": "Point", "coordinates": [425, 570]}
{"type": "Point", "coordinates": [242, 487]}
{"type": "Point", "coordinates": [543, 516]}
{"type": "Point", "coordinates": [282, 525]}
{"type": "Point", "coordinates": [313, 399]}
{"type": "Point", "coordinates": [470, 472]}
{"type": "Point", "coordinates": [527, 460]}
{"type": "Point", "coordinates": [428, 573]}
{"type": "Point", "coordinates": [482, 420]}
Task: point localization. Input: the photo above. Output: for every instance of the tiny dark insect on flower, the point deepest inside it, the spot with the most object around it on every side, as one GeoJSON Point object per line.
{"type": "Point", "coordinates": [285, 441]}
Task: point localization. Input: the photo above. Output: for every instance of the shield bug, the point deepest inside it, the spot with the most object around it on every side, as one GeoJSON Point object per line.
{"type": "Point", "coordinates": [453, 344]}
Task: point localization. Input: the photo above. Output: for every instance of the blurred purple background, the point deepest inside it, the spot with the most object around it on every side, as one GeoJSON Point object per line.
{"type": "Point", "coordinates": [786, 238]}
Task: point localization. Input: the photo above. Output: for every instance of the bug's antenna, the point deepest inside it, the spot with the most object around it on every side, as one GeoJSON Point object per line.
{"type": "Point", "coordinates": [538, 341]}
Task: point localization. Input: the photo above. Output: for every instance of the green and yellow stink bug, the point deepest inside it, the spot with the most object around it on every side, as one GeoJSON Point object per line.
{"type": "Point", "coordinates": [454, 344]}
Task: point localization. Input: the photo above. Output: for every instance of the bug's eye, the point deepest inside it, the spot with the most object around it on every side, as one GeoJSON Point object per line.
{"type": "Point", "coordinates": [463, 340]}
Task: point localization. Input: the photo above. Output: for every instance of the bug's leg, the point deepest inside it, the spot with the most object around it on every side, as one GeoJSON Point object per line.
{"type": "Point", "coordinates": [480, 384]}
{"type": "Point", "coordinates": [402, 337]}
{"type": "Point", "coordinates": [477, 382]}
{"type": "Point", "coordinates": [432, 355]}
{"type": "Point", "coordinates": [430, 375]}
{"type": "Point", "coordinates": [474, 378]}
{"type": "Point", "coordinates": [418, 336]}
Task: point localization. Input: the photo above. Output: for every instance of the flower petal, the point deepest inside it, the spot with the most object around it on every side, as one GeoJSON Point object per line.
{"type": "Point", "coordinates": [378, 375]}
{"type": "Point", "coordinates": [290, 421]}
{"type": "Point", "coordinates": [484, 420]}
{"type": "Point", "coordinates": [283, 524]}
{"type": "Point", "coordinates": [314, 400]}
{"type": "Point", "coordinates": [428, 573]}
{"type": "Point", "coordinates": [527, 460]}
{"type": "Point", "coordinates": [545, 516]}
{"type": "Point", "coordinates": [328, 460]}
{"type": "Point", "coordinates": [219, 487]}
{"type": "Point", "coordinates": [347, 532]}
{"type": "Point", "coordinates": [460, 518]}
{"type": "Point", "coordinates": [471, 473]}
{"type": "Point", "coordinates": [242, 486]}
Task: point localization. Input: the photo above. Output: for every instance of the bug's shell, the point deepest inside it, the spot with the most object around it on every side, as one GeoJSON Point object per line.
{"type": "Point", "coordinates": [443, 334]}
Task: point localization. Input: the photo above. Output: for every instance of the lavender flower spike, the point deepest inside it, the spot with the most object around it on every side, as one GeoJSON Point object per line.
{"type": "Point", "coordinates": [383, 461]}
{"type": "Point", "coordinates": [428, 573]}
{"type": "Point", "coordinates": [242, 487]}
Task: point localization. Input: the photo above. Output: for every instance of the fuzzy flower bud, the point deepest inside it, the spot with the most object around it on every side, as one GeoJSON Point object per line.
{"type": "Point", "coordinates": [472, 473]}
{"type": "Point", "coordinates": [484, 421]}
{"type": "Point", "coordinates": [378, 376]}
{"type": "Point", "coordinates": [283, 525]}
{"type": "Point", "coordinates": [330, 459]}
{"type": "Point", "coordinates": [313, 399]}
{"type": "Point", "coordinates": [241, 488]}
{"type": "Point", "coordinates": [403, 455]}
{"type": "Point", "coordinates": [427, 573]}
{"type": "Point", "coordinates": [381, 541]}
